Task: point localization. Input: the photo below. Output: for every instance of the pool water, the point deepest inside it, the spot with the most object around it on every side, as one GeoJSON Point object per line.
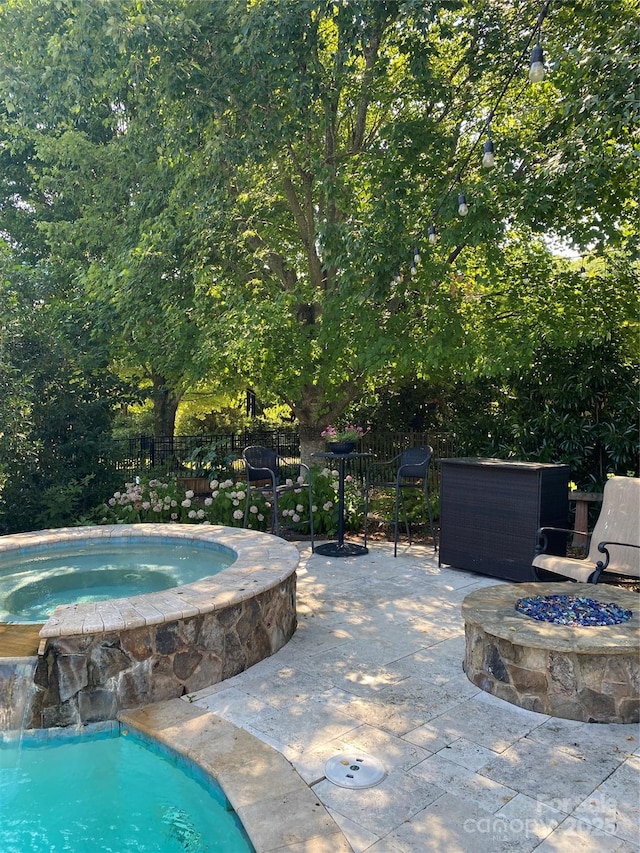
{"type": "Point", "coordinates": [35, 582]}
{"type": "Point", "coordinates": [113, 795]}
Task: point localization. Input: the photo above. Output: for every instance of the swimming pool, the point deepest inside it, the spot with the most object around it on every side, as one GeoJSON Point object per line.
{"type": "Point", "coordinates": [111, 793]}
{"type": "Point", "coordinates": [35, 581]}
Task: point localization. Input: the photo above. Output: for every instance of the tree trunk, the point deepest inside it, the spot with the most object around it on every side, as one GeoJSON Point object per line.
{"type": "Point", "coordinates": [165, 406]}
{"type": "Point", "coordinates": [313, 415]}
{"type": "Point", "coordinates": [310, 443]}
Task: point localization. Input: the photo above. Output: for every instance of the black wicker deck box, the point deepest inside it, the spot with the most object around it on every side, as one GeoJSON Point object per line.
{"type": "Point", "coordinates": [490, 510]}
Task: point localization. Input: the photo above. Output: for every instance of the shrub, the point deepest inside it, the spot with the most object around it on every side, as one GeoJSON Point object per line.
{"type": "Point", "coordinates": [294, 510]}
{"type": "Point", "coordinates": [163, 501]}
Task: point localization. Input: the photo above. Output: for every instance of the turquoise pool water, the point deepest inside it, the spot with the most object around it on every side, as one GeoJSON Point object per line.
{"type": "Point", "coordinates": [35, 582]}
{"type": "Point", "coordinates": [110, 794]}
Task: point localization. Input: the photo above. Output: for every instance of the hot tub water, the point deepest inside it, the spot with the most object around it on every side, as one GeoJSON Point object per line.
{"type": "Point", "coordinates": [36, 581]}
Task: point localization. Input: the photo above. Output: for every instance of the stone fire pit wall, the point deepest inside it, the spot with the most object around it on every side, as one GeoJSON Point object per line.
{"type": "Point", "coordinates": [98, 659]}
{"type": "Point", "coordinates": [589, 674]}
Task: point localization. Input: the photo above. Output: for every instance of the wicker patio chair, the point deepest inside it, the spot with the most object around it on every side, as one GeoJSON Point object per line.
{"type": "Point", "coordinates": [408, 470]}
{"type": "Point", "coordinates": [265, 471]}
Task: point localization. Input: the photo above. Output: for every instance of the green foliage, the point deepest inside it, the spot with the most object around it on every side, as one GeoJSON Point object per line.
{"type": "Point", "coordinates": [324, 496]}
{"type": "Point", "coordinates": [382, 506]}
{"type": "Point", "coordinates": [210, 461]}
{"type": "Point", "coordinates": [181, 218]}
{"type": "Point", "coordinates": [162, 500]}
{"type": "Point", "coordinates": [56, 404]}
{"type": "Point", "coordinates": [578, 407]}
{"type": "Point", "coordinates": [61, 504]}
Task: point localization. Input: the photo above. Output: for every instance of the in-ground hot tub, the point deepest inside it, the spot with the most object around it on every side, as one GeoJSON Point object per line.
{"type": "Point", "coordinates": [590, 673]}
{"type": "Point", "coordinates": [97, 658]}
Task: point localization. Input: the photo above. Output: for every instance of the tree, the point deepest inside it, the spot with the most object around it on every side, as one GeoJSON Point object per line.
{"type": "Point", "coordinates": [253, 178]}
{"type": "Point", "coordinates": [90, 170]}
{"type": "Point", "coordinates": [56, 406]}
{"type": "Point", "coordinates": [338, 132]}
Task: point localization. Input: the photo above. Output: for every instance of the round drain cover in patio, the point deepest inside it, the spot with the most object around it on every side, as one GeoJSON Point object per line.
{"type": "Point", "coordinates": [354, 771]}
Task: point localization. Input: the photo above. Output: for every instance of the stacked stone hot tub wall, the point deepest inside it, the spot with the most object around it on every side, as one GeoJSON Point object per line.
{"type": "Point", "coordinates": [98, 659]}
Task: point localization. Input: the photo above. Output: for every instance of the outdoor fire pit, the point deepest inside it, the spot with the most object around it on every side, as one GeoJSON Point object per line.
{"type": "Point", "coordinates": [563, 649]}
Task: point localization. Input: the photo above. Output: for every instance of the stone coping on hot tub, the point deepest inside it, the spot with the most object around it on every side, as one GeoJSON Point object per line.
{"type": "Point", "coordinates": [263, 562]}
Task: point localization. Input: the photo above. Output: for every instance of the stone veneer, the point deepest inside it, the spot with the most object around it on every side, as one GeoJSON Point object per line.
{"type": "Point", "coordinates": [96, 659]}
{"type": "Point", "coordinates": [588, 674]}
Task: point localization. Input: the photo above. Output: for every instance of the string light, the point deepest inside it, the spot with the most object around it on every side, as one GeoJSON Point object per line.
{"type": "Point", "coordinates": [536, 75]}
{"type": "Point", "coordinates": [536, 72]}
{"type": "Point", "coordinates": [488, 157]}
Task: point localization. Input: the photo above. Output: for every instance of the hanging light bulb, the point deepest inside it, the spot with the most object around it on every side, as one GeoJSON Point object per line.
{"type": "Point", "coordinates": [463, 207]}
{"type": "Point", "coordinates": [488, 158]}
{"type": "Point", "coordinates": [432, 234]}
{"type": "Point", "coordinates": [536, 72]}
{"type": "Point", "coordinates": [413, 269]}
{"type": "Point", "coordinates": [416, 256]}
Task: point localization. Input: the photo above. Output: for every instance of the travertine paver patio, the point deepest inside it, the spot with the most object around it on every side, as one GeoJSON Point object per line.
{"type": "Point", "coordinates": [376, 666]}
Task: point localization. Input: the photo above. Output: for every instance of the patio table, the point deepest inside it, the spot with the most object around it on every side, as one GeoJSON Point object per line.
{"type": "Point", "coordinates": [341, 548]}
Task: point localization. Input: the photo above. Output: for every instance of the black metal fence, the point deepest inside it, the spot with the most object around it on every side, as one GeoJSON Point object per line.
{"type": "Point", "coordinates": [194, 454]}
{"type": "Point", "coordinates": [205, 455]}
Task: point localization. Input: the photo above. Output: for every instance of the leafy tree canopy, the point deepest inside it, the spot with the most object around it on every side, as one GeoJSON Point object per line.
{"type": "Point", "coordinates": [242, 187]}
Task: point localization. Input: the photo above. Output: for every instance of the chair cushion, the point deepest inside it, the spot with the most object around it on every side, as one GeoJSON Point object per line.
{"type": "Point", "coordinates": [579, 570]}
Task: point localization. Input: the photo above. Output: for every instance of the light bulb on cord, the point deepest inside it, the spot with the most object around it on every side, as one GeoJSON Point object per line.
{"type": "Point", "coordinates": [536, 72]}
{"type": "Point", "coordinates": [432, 234]}
{"type": "Point", "coordinates": [463, 207]}
{"type": "Point", "coordinates": [488, 158]}
{"type": "Point", "coordinates": [416, 256]}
